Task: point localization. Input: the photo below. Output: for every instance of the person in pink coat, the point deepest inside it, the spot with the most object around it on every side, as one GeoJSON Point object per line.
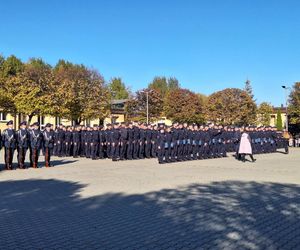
{"type": "Point", "coordinates": [245, 146]}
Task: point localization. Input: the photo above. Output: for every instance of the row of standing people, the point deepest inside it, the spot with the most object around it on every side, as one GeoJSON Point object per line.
{"type": "Point", "coordinates": [179, 142]}
{"type": "Point", "coordinates": [30, 139]}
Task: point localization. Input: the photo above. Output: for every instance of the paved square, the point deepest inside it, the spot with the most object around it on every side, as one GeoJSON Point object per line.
{"type": "Point", "coordinates": [211, 204]}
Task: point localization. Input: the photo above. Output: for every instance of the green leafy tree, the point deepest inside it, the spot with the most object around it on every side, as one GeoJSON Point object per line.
{"type": "Point", "coordinates": [248, 88]}
{"type": "Point", "coordinates": [203, 99]}
{"type": "Point", "coordinates": [231, 106]}
{"type": "Point", "coordinates": [294, 104]}
{"type": "Point", "coordinates": [173, 83]}
{"type": "Point", "coordinates": [80, 93]}
{"type": "Point", "coordinates": [279, 121]}
{"type": "Point", "coordinates": [264, 112]}
{"type": "Point", "coordinates": [11, 66]}
{"type": "Point", "coordinates": [182, 105]}
{"type": "Point", "coordinates": [164, 85]}
{"type": "Point", "coordinates": [2, 60]}
{"type": "Point", "coordinates": [118, 89]}
{"type": "Point", "coordinates": [31, 88]}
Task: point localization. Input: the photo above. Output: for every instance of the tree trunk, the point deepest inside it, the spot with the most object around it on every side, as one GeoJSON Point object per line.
{"type": "Point", "coordinates": [77, 121]}
{"type": "Point", "coordinates": [30, 118]}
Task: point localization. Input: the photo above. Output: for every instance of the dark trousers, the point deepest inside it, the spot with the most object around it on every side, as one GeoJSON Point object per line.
{"type": "Point", "coordinates": [136, 146]}
{"type": "Point", "coordinates": [206, 151]}
{"type": "Point", "coordinates": [142, 150]}
{"type": "Point", "coordinates": [101, 150]}
{"type": "Point", "coordinates": [180, 152]}
{"type": "Point", "coordinates": [21, 157]}
{"type": "Point", "coordinates": [55, 149]}
{"type": "Point", "coordinates": [82, 149]}
{"type": "Point", "coordinates": [94, 150]}
{"type": "Point", "coordinates": [76, 149]}
{"type": "Point", "coordinates": [35, 157]}
{"type": "Point", "coordinates": [87, 148]}
{"type": "Point", "coordinates": [59, 149]}
{"type": "Point", "coordinates": [174, 151]}
{"type": "Point", "coordinates": [167, 154]}
{"type": "Point", "coordinates": [115, 151]}
{"type": "Point", "coordinates": [68, 146]}
{"type": "Point", "coordinates": [8, 155]}
{"type": "Point", "coordinates": [48, 152]}
{"type": "Point", "coordinates": [148, 149]}
{"type": "Point", "coordinates": [153, 149]}
{"type": "Point", "coordinates": [160, 155]}
{"type": "Point", "coordinates": [195, 152]}
{"type": "Point", "coordinates": [123, 149]}
{"type": "Point", "coordinates": [129, 150]}
{"type": "Point", "coordinates": [108, 150]}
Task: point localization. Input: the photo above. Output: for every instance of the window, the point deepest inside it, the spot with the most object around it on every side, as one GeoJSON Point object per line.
{"type": "Point", "coordinates": [3, 116]}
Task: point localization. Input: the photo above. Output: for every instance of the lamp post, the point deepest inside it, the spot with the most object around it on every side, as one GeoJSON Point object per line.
{"type": "Point", "coordinates": [147, 97]}
{"type": "Point", "coordinates": [111, 103]}
{"type": "Point", "coordinates": [147, 103]}
{"type": "Point", "coordinates": [286, 106]}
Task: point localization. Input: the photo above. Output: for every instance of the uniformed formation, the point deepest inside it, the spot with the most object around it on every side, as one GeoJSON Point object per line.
{"type": "Point", "coordinates": [131, 141]}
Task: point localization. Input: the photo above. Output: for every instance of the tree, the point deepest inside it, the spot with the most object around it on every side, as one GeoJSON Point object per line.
{"type": "Point", "coordinates": [264, 112]}
{"type": "Point", "coordinates": [294, 107]}
{"type": "Point", "coordinates": [173, 83]}
{"type": "Point", "coordinates": [182, 105]}
{"type": "Point", "coordinates": [203, 99]}
{"type": "Point", "coordinates": [80, 93]}
{"type": "Point", "coordinates": [11, 66]}
{"type": "Point", "coordinates": [231, 106]}
{"type": "Point", "coordinates": [118, 89]}
{"type": "Point", "coordinates": [279, 121]}
{"type": "Point", "coordinates": [164, 85]}
{"type": "Point", "coordinates": [28, 91]}
{"type": "Point", "coordinates": [136, 108]}
{"type": "Point", "coordinates": [248, 88]}
{"type": "Point", "coordinates": [2, 60]}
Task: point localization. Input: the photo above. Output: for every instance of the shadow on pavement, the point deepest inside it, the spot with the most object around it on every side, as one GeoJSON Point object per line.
{"type": "Point", "coordinates": [50, 214]}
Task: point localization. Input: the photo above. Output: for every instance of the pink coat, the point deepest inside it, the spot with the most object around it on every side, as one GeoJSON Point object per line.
{"type": "Point", "coordinates": [245, 144]}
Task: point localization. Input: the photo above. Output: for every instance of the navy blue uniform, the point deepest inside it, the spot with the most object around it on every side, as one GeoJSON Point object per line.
{"type": "Point", "coordinates": [9, 143]}
{"type": "Point", "coordinates": [76, 140]}
{"type": "Point", "coordinates": [36, 139]}
{"type": "Point", "coordinates": [48, 145]}
{"type": "Point", "coordinates": [23, 144]}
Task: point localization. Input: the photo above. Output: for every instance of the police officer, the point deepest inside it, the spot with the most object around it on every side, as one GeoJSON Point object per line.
{"type": "Point", "coordinates": [141, 154]}
{"type": "Point", "coordinates": [123, 141]}
{"type": "Point", "coordinates": [108, 140]}
{"type": "Point", "coordinates": [136, 140]}
{"type": "Point", "coordinates": [9, 143]}
{"type": "Point", "coordinates": [148, 143]}
{"type": "Point", "coordinates": [36, 138]}
{"type": "Point", "coordinates": [101, 148]}
{"type": "Point", "coordinates": [83, 132]}
{"type": "Point", "coordinates": [161, 145]}
{"type": "Point", "coordinates": [48, 143]}
{"type": "Point", "coordinates": [115, 138]}
{"type": "Point", "coordinates": [76, 141]}
{"type": "Point", "coordinates": [60, 140]}
{"type": "Point", "coordinates": [68, 141]}
{"type": "Point", "coordinates": [23, 143]}
{"type": "Point", "coordinates": [154, 135]}
{"type": "Point", "coordinates": [130, 142]}
{"type": "Point", "coordinates": [94, 142]}
{"type": "Point", "coordinates": [87, 142]}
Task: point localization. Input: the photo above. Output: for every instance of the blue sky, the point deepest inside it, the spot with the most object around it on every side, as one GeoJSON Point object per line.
{"type": "Point", "coordinates": [208, 45]}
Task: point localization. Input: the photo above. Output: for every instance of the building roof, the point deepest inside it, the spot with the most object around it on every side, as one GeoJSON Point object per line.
{"type": "Point", "coordinates": [121, 101]}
